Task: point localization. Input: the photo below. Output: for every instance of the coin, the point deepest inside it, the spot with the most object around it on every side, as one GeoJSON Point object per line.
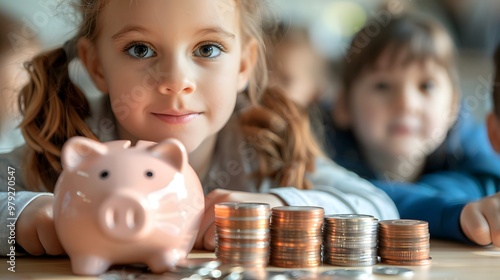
{"type": "Point", "coordinates": [391, 270]}
{"type": "Point", "coordinates": [350, 240]}
{"type": "Point", "coordinates": [296, 236]}
{"type": "Point", "coordinates": [404, 242]}
{"type": "Point", "coordinates": [195, 264]}
{"type": "Point", "coordinates": [407, 262]}
{"type": "Point", "coordinates": [242, 235]}
{"type": "Point", "coordinates": [347, 273]}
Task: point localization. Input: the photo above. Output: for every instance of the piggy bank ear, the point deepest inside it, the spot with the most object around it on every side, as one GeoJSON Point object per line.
{"type": "Point", "coordinates": [77, 149]}
{"type": "Point", "coordinates": [172, 151]}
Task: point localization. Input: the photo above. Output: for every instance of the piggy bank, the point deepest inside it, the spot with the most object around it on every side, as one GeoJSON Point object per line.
{"type": "Point", "coordinates": [117, 204]}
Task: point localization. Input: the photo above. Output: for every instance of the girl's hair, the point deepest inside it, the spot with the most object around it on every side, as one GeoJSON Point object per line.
{"type": "Point", "coordinates": [275, 126]}
{"type": "Point", "coordinates": [55, 110]}
{"type": "Point", "coordinates": [417, 38]}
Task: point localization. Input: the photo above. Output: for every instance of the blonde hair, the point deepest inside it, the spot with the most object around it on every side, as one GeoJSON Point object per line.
{"type": "Point", "coordinates": [55, 110]}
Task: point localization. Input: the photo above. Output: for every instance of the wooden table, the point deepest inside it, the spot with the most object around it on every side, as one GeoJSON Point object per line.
{"type": "Point", "coordinates": [449, 261]}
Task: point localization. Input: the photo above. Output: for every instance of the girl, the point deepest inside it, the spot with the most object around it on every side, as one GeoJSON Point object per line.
{"type": "Point", "coordinates": [480, 220]}
{"type": "Point", "coordinates": [296, 65]}
{"type": "Point", "coordinates": [396, 124]}
{"type": "Point", "coordinates": [172, 68]}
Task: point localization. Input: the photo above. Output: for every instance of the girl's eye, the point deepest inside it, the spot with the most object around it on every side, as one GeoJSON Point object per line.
{"type": "Point", "coordinates": [382, 86]}
{"type": "Point", "coordinates": [427, 86]}
{"type": "Point", "coordinates": [140, 51]}
{"type": "Point", "coordinates": [208, 51]}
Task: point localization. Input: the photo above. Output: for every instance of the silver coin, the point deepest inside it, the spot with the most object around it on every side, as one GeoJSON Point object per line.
{"type": "Point", "coordinates": [297, 274]}
{"type": "Point", "coordinates": [197, 264]}
{"type": "Point", "coordinates": [348, 273]}
{"type": "Point", "coordinates": [392, 270]}
{"type": "Point", "coordinates": [233, 276]}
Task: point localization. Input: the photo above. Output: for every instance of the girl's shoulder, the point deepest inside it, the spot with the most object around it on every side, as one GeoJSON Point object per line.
{"type": "Point", "coordinates": [12, 172]}
{"type": "Point", "coordinates": [14, 157]}
{"type": "Point", "coordinates": [326, 170]}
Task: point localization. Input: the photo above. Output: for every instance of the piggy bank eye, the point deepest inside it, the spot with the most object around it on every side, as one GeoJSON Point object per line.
{"type": "Point", "coordinates": [149, 174]}
{"type": "Point", "coordinates": [104, 174]}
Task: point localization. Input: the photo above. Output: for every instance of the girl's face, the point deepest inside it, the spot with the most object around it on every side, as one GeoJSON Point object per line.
{"type": "Point", "coordinates": [401, 111]}
{"type": "Point", "coordinates": [172, 68]}
{"type": "Point", "coordinates": [296, 71]}
{"type": "Point", "coordinates": [13, 77]}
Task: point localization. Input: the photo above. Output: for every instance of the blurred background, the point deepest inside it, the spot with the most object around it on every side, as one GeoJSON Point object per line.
{"type": "Point", "coordinates": [473, 24]}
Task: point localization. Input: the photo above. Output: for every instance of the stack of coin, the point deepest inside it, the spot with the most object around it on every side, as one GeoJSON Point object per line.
{"type": "Point", "coordinates": [404, 242]}
{"type": "Point", "coordinates": [296, 236]}
{"type": "Point", "coordinates": [350, 240]}
{"type": "Point", "coordinates": [242, 233]}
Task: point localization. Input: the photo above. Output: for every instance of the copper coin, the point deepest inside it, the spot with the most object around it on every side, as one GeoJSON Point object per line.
{"type": "Point", "coordinates": [407, 263]}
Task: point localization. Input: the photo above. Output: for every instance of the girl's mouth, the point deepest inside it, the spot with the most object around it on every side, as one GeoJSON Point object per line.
{"type": "Point", "coordinates": [175, 118]}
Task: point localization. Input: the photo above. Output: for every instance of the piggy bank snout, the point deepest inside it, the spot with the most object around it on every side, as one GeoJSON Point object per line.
{"type": "Point", "coordinates": [123, 217]}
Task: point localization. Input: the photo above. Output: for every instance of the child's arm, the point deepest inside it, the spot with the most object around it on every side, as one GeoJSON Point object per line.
{"type": "Point", "coordinates": [340, 191]}
{"type": "Point", "coordinates": [480, 220]}
{"type": "Point", "coordinates": [440, 198]}
{"type": "Point", "coordinates": [206, 234]}
{"type": "Point", "coordinates": [29, 224]}
{"type": "Point", "coordinates": [335, 189]}
{"type": "Point", "coordinates": [27, 216]}
{"type": "Point", "coordinates": [420, 201]}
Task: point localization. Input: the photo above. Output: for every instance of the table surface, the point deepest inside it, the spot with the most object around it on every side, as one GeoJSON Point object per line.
{"type": "Point", "coordinates": [449, 261]}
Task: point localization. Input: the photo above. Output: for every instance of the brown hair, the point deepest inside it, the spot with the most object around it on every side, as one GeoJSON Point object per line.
{"type": "Point", "coordinates": [55, 110]}
{"type": "Point", "coordinates": [418, 38]}
{"type": "Point", "coordinates": [275, 126]}
{"type": "Point", "coordinates": [496, 83]}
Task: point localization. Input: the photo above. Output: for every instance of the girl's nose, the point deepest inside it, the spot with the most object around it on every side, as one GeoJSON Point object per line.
{"type": "Point", "coordinates": [407, 100]}
{"type": "Point", "coordinates": [176, 77]}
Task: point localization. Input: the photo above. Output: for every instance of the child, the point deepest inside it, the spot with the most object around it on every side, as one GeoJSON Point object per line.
{"type": "Point", "coordinates": [480, 219]}
{"type": "Point", "coordinates": [298, 68]}
{"type": "Point", "coordinates": [295, 64]}
{"type": "Point", "coordinates": [396, 125]}
{"type": "Point", "coordinates": [171, 68]}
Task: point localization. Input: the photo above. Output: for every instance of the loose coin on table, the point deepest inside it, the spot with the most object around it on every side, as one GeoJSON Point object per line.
{"type": "Point", "coordinates": [396, 271]}
{"type": "Point", "coordinates": [351, 274]}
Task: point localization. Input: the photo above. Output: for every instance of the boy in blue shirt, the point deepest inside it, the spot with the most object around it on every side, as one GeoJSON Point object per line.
{"type": "Point", "coordinates": [397, 123]}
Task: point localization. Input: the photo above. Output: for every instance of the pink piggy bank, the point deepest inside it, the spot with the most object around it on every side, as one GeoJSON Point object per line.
{"type": "Point", "coordinates": [116, 204]}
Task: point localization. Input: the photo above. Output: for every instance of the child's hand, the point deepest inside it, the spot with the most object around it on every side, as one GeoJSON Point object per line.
{"type": "Point", "coordinates": [35, 230]}
{"type": "Point", "coordinates": [480, 220]}
{"type": "Point", "coordinates": [206, 235]}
